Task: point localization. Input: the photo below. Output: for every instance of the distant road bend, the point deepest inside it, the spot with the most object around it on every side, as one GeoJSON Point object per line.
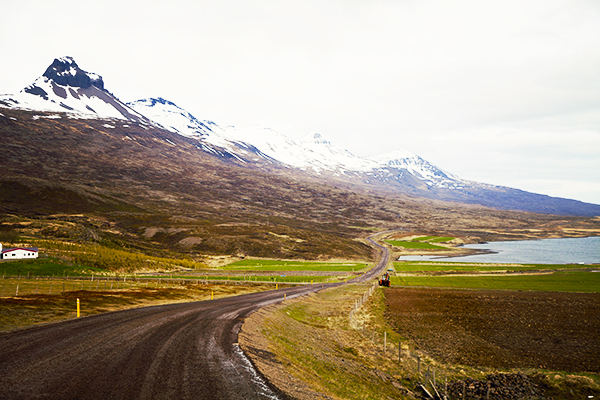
{"type": "Point", "coordinates": [176, 351]}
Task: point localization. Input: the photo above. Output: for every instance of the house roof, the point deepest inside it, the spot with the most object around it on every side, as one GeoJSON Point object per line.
{"type": "Point", "coordinates": [35, 249]}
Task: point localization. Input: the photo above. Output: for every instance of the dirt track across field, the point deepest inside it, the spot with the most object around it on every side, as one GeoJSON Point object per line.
{"type": "Point", "coordinates": [501, 329]}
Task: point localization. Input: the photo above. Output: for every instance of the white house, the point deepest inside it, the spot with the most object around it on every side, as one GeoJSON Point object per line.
{"type": "Point", "coordinates": [18, 253]}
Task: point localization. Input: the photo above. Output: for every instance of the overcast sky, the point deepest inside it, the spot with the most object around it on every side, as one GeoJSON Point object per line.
{"type": "Point", "coordinates": [502, 92]}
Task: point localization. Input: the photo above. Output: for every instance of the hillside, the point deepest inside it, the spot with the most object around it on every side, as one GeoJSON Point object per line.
{"type": "Point", "coordinates": [139, 186]}
{"type": "Point", "coordinates": [66, 88]}
{"type": "Point", "coordinates": [315, 157]}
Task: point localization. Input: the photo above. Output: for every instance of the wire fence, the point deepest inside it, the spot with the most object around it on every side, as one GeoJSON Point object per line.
{"type": "Point", "coordinates": [15, 286]}
{"type": "Point", "coordinates": [430, 381]}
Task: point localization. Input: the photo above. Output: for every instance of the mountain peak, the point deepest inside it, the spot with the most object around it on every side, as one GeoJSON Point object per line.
{"type": "Point", "coordinates": [391, 157]}
{"type": "Point", "coordinates": [152, 101]}
{"type": "Point", "coordinates": [65, 87]}
{"type": "Point", "coordinates": [64, 71]}
{"type": "Point", "coordinates": [315, 138]}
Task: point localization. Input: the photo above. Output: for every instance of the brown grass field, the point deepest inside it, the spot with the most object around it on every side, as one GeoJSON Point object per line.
{"type": "Point", "coordinates": [501, 329]}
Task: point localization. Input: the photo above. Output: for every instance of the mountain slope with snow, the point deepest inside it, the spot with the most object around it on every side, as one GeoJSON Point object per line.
{"type": "Point", "coordinates": [64, 87]}
{"type": "Point", "coordinates": [313, 153]}
{"type": "Point", "coordinates": [398, 171]}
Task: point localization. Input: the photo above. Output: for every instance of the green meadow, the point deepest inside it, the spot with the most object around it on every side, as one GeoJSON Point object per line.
{"type": "Point", "coordinates": [46, 267]}
{"type": "Point", "coordinates": [279, 265]}
{"type": "Point", "coordinates": [559, 281]}
{"type": "Point", "coordinates": [433, 239]}
{"type": "Point", "coordinates": [432, 266]}
{"type": "Point", "coordinates": [413, 245]}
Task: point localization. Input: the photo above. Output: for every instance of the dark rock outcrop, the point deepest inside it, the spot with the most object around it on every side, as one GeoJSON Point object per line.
{"type": "Point", "coordinates": [64, 71]}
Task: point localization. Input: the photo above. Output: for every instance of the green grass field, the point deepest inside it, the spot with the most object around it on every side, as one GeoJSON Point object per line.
{"type": "Point", "coordinates": [564, 281]}
{"type": "Point", "coordinates": [55, 268]}
{"type": "Point", "coordinates": [46, 267]}
{"type": "Point", "coordinates": [414, 245]}
{"type": "Point", "coordinates": [433, 239]}
{"type": "Point", "coordinates": [253, 278]}
{"type": "Point", "coordinates": [279, 265]}
{"type": "Point", "coordinates": [410, 266]}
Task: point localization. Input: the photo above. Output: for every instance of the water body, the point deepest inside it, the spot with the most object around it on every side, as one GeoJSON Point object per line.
{"type": "Point", "coordinates": [545, 251]}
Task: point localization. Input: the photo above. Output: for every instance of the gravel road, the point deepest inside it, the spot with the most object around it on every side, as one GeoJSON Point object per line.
{"type": "Point", "coordinates": [176, 351]}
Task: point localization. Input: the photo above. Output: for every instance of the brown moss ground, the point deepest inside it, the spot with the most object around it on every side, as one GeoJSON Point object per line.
{"type": "Point", "coordinates": [24, 311]}
{"type": "Point", "coordinates": [309, 348]}
{"type": "Point", "coordinates": [501, 329]}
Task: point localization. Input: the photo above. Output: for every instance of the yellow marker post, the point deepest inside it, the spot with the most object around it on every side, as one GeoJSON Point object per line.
{"type": "Point", "coordinates": [311, 282]}
{"type": "Point", "coordinates": [277, 286]}
{"type": "Point", "coordinates": [78, 309]}
{"type": "Point", "coordinates": [284, 296]}
{"type": "Point", "coordinates": [212, 295]}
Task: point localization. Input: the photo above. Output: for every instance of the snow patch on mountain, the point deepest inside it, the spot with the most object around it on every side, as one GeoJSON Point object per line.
{"type": "Point", "coordinates": [171, 117]}
{"type": "Point", "coordinates": [313, 153]}
{"type": "Point", "coordinates": [419, 168]}
{"type": "Point", "coordinates": [175, 119]}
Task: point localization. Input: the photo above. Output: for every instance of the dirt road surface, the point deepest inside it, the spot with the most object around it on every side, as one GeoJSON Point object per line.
{"type": "Point", "coordinates": [176, 351]}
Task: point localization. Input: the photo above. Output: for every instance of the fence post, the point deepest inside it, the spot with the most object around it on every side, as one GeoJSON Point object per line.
{"type": "Point", "coordinates": [446, 387]}
{"type": "Point", "coordinates": [384, 342]}
{"type": "Point", "coordinates": [400, 352]}
{"type": "Point", "coordinates": [17, 291]}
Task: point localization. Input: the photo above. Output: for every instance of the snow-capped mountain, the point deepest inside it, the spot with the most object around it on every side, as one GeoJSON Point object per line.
{"type": "Point", "coordinates": [65, 87]}
{"type": "Point", "coordinates": [313, 154]}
